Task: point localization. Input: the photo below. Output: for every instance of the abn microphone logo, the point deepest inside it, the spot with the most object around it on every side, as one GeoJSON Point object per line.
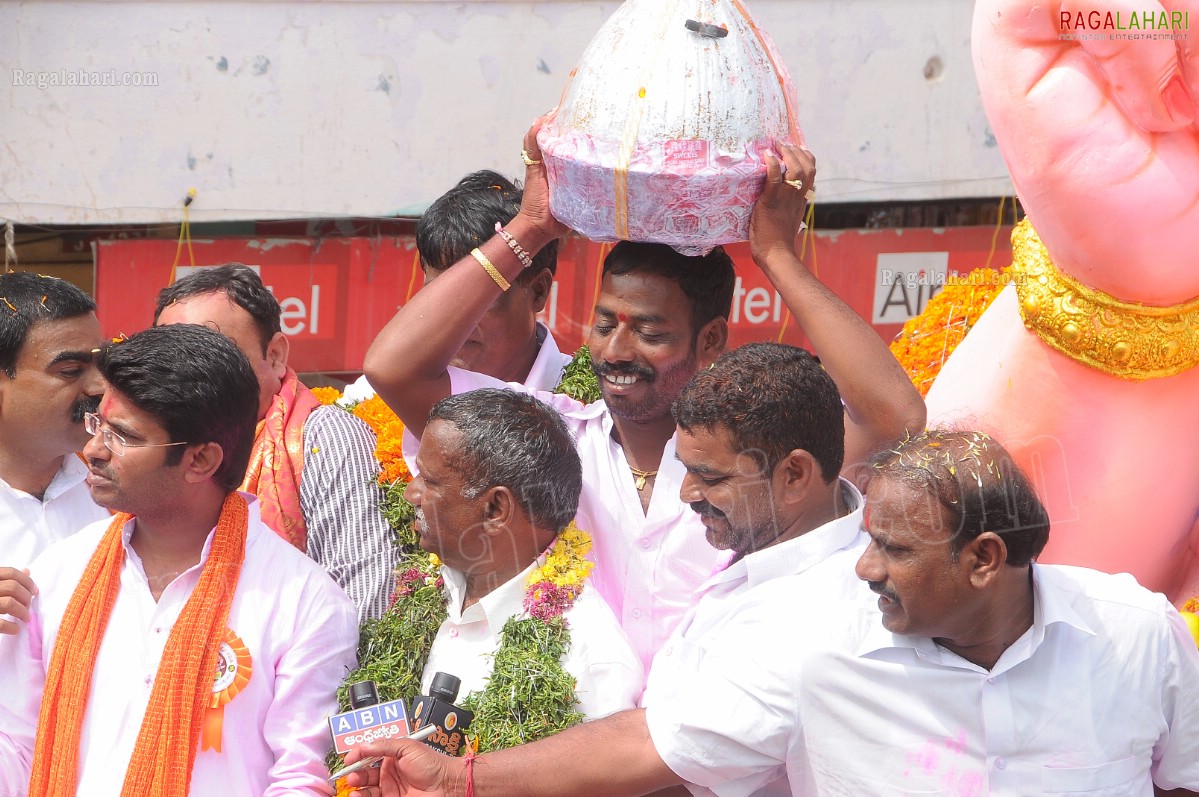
{"type": "Point", "coordinates": [369, 724]}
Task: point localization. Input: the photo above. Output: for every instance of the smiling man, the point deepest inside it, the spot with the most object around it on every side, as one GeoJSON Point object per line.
{"type": "Point", "coordinates": [48, 332]}
{"type": "Point", "coordinates": [761, 436]}
{"type": "Point", "coordinates": [659, 318]}
{"type": "Point", "coordinates": [960, 667]}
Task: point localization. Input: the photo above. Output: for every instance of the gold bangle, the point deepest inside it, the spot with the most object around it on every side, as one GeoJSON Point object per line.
{"type": "Point", "coordinates": [491, 270]}
{"type": "Point", "coordinates": [1125, 339]}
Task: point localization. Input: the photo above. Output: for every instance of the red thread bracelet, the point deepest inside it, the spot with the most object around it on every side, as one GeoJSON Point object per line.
{"type": "Point", "coordinates": [470, 771]}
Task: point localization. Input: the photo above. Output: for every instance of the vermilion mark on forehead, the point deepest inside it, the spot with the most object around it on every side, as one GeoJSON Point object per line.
{"type": "Point", "coordinates": [866, 516]}
{"type": "Point", "coordinates": [621, 317]}
{"type": "Point", "coordinates": [105, 405]}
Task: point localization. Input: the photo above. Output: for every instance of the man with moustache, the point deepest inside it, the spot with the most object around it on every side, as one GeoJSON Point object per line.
{"type": "Point", "coordinates": [761, 437]}
{"type": "Point", "coordinates": [498, 472]}
{"type": "Point", "coordinates": [180, 647]}
{"type": "Point", "coordinates": [339, 495]}
{"type": "Point", "coordinates": [48, 332]}
{"type": "Point", "coordinates": [960, 667]}
{"type": "Point", "coordinates": [659, 318]}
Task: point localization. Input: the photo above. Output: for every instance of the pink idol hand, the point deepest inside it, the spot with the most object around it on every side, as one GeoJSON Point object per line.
{"type": "Point", "coordinates": [1098, 130]}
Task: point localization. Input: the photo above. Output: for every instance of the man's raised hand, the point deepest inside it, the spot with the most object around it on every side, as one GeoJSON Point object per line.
{"type": "Point", "coordinates": [780, 210]}
{"type": "Point", "coordinates": [535, 203]}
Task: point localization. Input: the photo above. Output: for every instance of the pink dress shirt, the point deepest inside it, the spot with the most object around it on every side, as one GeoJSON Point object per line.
{"type": "Point", "coordinates": [301, 633]}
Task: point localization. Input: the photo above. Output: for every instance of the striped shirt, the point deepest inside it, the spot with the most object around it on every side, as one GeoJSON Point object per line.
{"type": "Point", "coordinates": [341, 499]}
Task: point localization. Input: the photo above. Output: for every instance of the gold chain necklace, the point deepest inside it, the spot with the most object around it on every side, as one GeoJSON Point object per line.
{"type": "Point", "coordinates": [639, 477]}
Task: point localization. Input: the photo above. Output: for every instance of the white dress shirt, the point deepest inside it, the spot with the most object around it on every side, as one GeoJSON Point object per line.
{"type": "Point", "coordinates": [814, 554]}
{"type": "Point", "coordinates": [807, 554]}
{"type": "Point", "coordinates": [1099, 697]}
{"type": "Point", "coordinates": [648, 564]}
{"type": "Point", "coordinates": [607, 673]}
{"type": "Point", "coordinates": [29, 526]}
{"type": "Point", "coordinates": [298, 626]}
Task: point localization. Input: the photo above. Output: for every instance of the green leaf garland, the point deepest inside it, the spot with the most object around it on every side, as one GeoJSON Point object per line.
{"type": "Point", "coordinates": [578, 380]}
{"type": "Point", "coordinates": [529, 694]}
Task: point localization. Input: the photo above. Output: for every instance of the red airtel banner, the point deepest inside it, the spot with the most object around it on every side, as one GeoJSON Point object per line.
{"type": "Point", "coordinates": [337, 293]}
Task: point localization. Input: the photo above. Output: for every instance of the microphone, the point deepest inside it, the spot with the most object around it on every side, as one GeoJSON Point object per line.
{"type": "Point", "coordinates": [368, 720]}
{"type": "Point", "coordinates": [437, 709]}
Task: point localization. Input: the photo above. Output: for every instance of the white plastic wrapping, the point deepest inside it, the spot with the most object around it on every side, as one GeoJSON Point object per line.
{"type": "Point", "coordinates": [660, 132]}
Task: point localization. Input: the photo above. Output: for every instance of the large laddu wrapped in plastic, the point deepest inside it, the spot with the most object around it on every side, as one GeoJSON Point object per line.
{"type": "Point", "coordinates": [660, 132]}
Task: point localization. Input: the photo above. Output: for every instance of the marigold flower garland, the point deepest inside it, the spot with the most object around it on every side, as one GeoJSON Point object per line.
{"type": "Point", "coordinates": [928, 339]}
{"type": "Point", "coordinates": [529, 694]}
{"type": "Point", "coordinates": [326, 395]}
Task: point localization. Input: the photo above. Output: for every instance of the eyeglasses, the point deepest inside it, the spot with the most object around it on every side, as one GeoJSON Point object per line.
{"type": "Point", "coordinates": [113, 441]}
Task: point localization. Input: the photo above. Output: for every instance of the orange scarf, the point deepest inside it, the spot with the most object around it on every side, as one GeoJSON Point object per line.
{"type": "Point", "coordinates": [165, 751]}
{"type": "Point", "coordinates": [278, 460]}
